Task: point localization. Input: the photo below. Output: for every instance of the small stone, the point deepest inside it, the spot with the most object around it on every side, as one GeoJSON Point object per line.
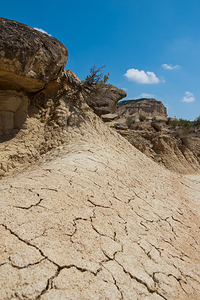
{"type": "Point", "coordinates": [121, 126]}
{"type": "Point", "coordinates": [2, 172]}
{"type": "Point", "coordinates": [109, 117]}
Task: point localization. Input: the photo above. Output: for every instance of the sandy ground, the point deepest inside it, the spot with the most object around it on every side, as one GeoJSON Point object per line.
{"type": "Point", "coordinates": [99, 220]}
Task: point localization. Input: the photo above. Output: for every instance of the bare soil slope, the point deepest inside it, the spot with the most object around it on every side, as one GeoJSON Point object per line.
{"type": "Point", "coordinates": [99, 220]}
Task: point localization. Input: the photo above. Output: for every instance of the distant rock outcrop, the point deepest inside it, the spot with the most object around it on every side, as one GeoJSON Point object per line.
{"type": "Point", "coordinates": [145, 107]}
{"type": "Point", "coordinates": [105, 99]}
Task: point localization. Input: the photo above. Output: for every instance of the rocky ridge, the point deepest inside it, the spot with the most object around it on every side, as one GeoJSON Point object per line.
{"type": "Point", "coordinates": [38, 98]}
{"type": "Point", "coordinates": [94, 218]}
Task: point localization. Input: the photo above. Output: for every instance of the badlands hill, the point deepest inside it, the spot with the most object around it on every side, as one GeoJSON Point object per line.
{"type": "Point", "coordinates": [84, 214]}
{"type": "Point", "coordinates": [170, 142]}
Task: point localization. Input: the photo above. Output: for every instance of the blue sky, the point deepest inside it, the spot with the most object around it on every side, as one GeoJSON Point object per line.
{"type": "Point", "coordinates": [151, 48]}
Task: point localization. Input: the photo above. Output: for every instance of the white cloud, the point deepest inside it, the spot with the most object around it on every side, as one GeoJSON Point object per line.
{"type": "Point", "coordinates": [141, 76]}
{"type": "Point", "coordinates": [41, 30]}
{"type": "Point", "coordinates": [145, 95]}
{"type": "Point", "coordinates": [170, 67]}
{"type": "Point", "coordinates": [189, 97]}
{"type": "Point", "coordinates": [125, 89]}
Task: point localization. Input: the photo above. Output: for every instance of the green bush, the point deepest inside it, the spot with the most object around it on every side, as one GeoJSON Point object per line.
{"type": "Point", "coordinates": [96, 76]}
{"type": "Point", "coordinates": [142, 118]}
{"type": "Point", "coordinates": [129, 121]}
{"type": "Point", "coordinates": [185, 130]}
{"type": "Point", "coordinates": [94, 82]}
{"type": "Point", "coordinates": [174, 123]}
{"type": "Point", "coordinates": [185, 123]}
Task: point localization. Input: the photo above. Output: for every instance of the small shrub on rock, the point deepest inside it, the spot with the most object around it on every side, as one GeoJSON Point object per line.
{"type": "Point", "coordinates": [184, 123]}
{"type": "Point", "coordinates": [129, 121]}
{"type": "Point", "coordinates": [142, 118]}
{"type": "Point", "coordinates": [154, 119]}
{"type": "Point", "coordinates": [174, 123]}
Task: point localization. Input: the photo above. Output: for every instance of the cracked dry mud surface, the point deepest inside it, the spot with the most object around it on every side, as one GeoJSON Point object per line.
{"type": "Point", "coordinates": [99, 220]}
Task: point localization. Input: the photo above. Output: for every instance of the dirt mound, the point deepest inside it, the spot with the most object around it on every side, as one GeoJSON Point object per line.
{"type": "Point", "coordinates": [172, 143]}
{"type": "Point", "coordinates": [99, 220]}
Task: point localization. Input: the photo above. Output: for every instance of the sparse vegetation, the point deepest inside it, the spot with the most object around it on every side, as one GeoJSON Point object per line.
{"type": "Point", "coordinates": [174, 123]}
{"type": "Point", "coordinates": [96, 76]}
{"type": "Point", "coordinates": [142, 118]}
{"type": "Point", "coordinates": [185, 130]}
{"type": "Point", "coordinates": [184, 123]}
{"type": "Point", "coordinates": [130, 121]}
{"type": "Point", "coordinates": [185, 126]}
{"type": "Point", "coordinates": [154, 119]}
{"type": "Point", "coordinates": [94, 81]}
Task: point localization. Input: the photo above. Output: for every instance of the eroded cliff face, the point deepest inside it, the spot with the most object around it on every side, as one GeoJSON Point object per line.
{"type": "Point", "coordinates": [28, 61]}
{"type": "Point", "coordinates": [175, 147]}
{"type": "Point", "coordinates": [32, 73]}
{"type": "Point", "coordinates": [168, 141]}
{"type": "Point", "coordinates": [39, 100]}
{"type": "Point", "coordinates": [177, 153]}
{"type": "Point", "coordinates": [145, 107]}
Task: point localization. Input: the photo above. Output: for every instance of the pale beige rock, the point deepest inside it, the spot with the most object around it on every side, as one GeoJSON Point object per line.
{"type": "Point", "coordinates": [109, 117]}
{"type": "Point", "coordinates": [99, 220]}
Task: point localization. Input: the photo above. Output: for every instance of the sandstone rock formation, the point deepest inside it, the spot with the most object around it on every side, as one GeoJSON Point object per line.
{"type": "Point", "coordinates": [29, 60]}
{"type": "Point", "coordinates": [91, 217]}
{"type": "Point", "coordinates": [145, 107]}
{"type": "Point", "coordinates": [105, 99]}
{"type": "Point", "coordinates": [109, 117]}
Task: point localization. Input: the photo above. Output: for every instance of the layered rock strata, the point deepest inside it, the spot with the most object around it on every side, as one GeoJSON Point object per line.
{"type": "Point", "coordinates": [29, 60]}
{"type": "Point", "coordinates": [145, 107]}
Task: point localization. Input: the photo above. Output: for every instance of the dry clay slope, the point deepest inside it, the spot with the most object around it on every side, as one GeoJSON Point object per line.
{"type": "Point", "coordinates": [99, 221]}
